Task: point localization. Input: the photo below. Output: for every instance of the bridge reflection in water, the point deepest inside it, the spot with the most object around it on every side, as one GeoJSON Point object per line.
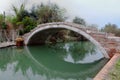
{"type": "Point", "coordinates": [63, 61]}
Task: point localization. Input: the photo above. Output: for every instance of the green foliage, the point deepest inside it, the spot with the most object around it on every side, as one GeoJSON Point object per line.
{"type": "Point", "coordinates": [29, 24]}
{"type": "Point", "coordinates": [114, 75]}
{"type": "Point", "coordinates": [23, 19]}
{"type": "Point", "coordinates": [21, 32]}
{"type": "Point", "coordinates": [111, 28]}
{"type": "Point", "coordinates": [40, 14]}
{"type": "Point", "coordinates": [4, 25]}
{"type": "Point", "coordinates": [78, 20]}
{"type": "Point", "coordinates": [50, 13]}
{"type": "Point", "coordinates": [28, 21]}
{"type": "Point", "coordinates": [19, 11]}
{"type": "Point", "coordinates": [1, 19]}
{"type": "Point", "coordinates": [14, 22]}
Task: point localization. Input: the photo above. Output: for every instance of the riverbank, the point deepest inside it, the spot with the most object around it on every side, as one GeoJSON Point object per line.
{"type": "Point", "coordinates": [6, 44]}
{"type": "Point", "coordinates": [104, 73]}
{"type": "Point", "coordinates": [115, 72]}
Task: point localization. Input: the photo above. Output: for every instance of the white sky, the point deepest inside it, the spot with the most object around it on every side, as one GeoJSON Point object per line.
{"type": "Point", "coordinates": [98, 12]}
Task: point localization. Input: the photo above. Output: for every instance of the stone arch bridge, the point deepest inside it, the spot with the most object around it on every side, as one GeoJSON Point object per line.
{"type": "Point", "coordinates": [98, 39]}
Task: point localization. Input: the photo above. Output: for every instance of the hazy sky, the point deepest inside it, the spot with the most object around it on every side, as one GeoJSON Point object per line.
{"type": "Point", "coordinates": [98, 12]}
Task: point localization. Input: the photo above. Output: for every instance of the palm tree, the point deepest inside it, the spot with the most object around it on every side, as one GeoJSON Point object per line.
{"type": "Point", "coordinates": [18, 12]}
{"type": "Point", "coordinates": [17, 20]}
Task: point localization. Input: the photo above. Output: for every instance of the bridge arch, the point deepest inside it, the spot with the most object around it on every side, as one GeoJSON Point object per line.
{"type": "Point", "coordinates": [80, 29]}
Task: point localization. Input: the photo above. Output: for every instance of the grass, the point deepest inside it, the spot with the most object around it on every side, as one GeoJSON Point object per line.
{"type": "Point", "coordinates": [115, 73]}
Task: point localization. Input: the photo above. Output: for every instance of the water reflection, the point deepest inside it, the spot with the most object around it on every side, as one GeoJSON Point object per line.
{"type": "Point", "coordinates": [78, 52]}
{"type": "Point", "coordinates": [48, 63]}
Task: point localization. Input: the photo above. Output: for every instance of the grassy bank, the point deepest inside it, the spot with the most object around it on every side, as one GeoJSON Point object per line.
{"type": "Point", "coordinates": [115, 73]}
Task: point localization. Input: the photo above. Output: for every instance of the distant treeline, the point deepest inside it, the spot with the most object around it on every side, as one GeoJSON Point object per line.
{"type": "Point", "coordinates": [111, 28]}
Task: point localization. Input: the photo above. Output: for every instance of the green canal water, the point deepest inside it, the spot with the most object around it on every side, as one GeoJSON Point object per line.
{"type": "Point", "coordinates": [61, 61]}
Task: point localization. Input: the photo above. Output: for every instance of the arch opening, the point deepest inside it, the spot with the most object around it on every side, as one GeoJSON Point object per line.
{"type": "Point", "coordinates": [55, 35]}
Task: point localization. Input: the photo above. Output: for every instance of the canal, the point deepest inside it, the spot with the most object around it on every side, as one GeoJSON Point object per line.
{"type": "Point", "coordinates": [61, 61]}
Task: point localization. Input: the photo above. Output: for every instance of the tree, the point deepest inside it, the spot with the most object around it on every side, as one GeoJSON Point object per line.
{"type": "Point", "coordinates": [26, 20]}
{"type": "Point", "coordinates": [3, 27]}
{"type": "Point", "coordinates": [93, 27]}
{"type": "Point", "coordinates": [19, 11]}
{"type": "Point", "coordinates": [111, 28]}
{"type": "Point", "coordinates": [23, 19]}
{"type": "Point", "coordinates": [17, 20]}
{"type": "Point", "coordinates": [1, 20]}
{"type": "Point", "coordinates": [28, 23]}
{"type": "Point", "coordinates": [50, 13]}
{"type": "Point", "coordinates": [78, 20]}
